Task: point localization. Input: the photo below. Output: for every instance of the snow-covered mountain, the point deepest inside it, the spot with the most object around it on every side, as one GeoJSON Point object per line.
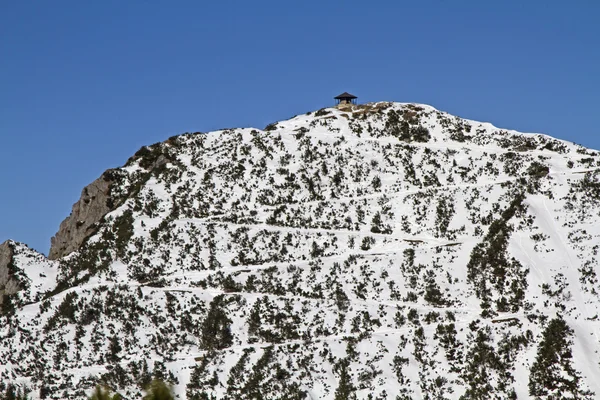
{"type": "Point", "coordinates": [378, 251]}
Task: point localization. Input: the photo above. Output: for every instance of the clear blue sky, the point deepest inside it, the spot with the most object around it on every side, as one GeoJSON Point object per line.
{"type": "Point", "coordinates": [84, 84]}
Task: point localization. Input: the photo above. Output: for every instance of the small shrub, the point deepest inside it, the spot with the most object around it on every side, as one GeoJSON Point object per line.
{"type": "Point", "coordinates": [271, 127]}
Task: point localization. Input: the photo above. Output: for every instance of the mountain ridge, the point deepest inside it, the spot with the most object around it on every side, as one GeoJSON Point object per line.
{"type": "Point", "coordinates": [443, 226]}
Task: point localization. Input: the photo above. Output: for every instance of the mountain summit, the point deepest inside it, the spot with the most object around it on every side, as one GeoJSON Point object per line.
{"type": "Point", "coordinates": [377, 251]}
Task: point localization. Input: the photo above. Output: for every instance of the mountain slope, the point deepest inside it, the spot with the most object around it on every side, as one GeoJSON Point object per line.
{"type": "Point", "coordinates": [386, 250]}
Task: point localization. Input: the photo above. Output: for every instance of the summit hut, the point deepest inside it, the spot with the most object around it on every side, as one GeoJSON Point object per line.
{"type": "Point", "coordinates": [345, 98]}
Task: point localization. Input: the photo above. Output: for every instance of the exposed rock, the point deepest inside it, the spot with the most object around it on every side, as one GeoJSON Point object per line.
{"type": "Point", "coordinates": [8, 285]}
{"type": "Point", "coordinates": [94, 204]}
{"type": "Point", "coordinates": [97, 200]}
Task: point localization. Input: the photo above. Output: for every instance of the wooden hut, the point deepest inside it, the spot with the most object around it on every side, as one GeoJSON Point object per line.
{"type": "Point", "coordinates": [345, 98]}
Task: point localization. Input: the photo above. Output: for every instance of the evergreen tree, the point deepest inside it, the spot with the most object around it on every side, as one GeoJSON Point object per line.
{"type": "Point", "coordinates": [113, 349]}
{"type": "Point", "coordinates": [552, 375]}
{"type": "Point", "coordinates": [486, 374]}
{"type": "Point", "coordinates": [158, 390]}
{"type": "Point", "coordinates": [345, 389]}
{"type": "Point", "coordinates": [216, 333]}
{"type": "Point", "coordinates": [12, 393]}
{"type": "Point", "coordinates": [104, 393]}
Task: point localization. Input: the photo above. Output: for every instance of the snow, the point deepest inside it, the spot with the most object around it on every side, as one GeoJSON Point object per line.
{"type": "Point", "coordinates": [256, 219]}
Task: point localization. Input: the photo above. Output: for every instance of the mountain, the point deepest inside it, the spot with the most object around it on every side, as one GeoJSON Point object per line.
{"type": "Point", "coordinates": [377, 251]}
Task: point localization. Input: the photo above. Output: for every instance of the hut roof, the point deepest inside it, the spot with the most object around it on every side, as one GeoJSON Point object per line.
{"type": "Point", "coordinates": [346, 95]}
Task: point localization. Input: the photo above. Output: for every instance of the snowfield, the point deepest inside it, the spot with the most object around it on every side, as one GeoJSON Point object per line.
{"type": "Point", "coordinates": [379, 251]}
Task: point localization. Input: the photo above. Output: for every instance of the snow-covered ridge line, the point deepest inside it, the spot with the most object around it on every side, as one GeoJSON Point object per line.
{"type": "Point", "coordinates": [376, 250]}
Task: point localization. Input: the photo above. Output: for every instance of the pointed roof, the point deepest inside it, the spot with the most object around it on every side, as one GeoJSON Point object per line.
{"type": "Point", "coordinates": [345, 95]}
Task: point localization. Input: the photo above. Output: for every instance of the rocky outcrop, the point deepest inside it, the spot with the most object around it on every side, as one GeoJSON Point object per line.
{"type": "Point", "coordinates": [94, 204]}
{"type": "Point", "coordinates": [99, 198]}
{"type": "Point", "coordinates": [8, 284]}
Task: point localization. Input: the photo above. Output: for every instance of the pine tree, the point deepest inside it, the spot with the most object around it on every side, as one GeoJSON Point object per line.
{"type": "Point", "coordinates": [486, 374]}
{"type": "Point", "coordinates": [345, 389]}
{"type": "Point", "coordinates": [216, 331]}
{"type": "Point", "coordinates": [158, 390]}
{"type": "Point", "coordinates": [12, 393]}
{"type": "Point", "coordinates": [104, 393]}
{"type": "Point", "coordinates": [552, 375]}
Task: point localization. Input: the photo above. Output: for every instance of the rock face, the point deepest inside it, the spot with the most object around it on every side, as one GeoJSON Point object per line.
{"type": "Point", "coordinates": [8, 285]}
{"type": "Point", "coordinates": [86, 213]}
{"type": "Point", "coordinates": [97, 199]}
